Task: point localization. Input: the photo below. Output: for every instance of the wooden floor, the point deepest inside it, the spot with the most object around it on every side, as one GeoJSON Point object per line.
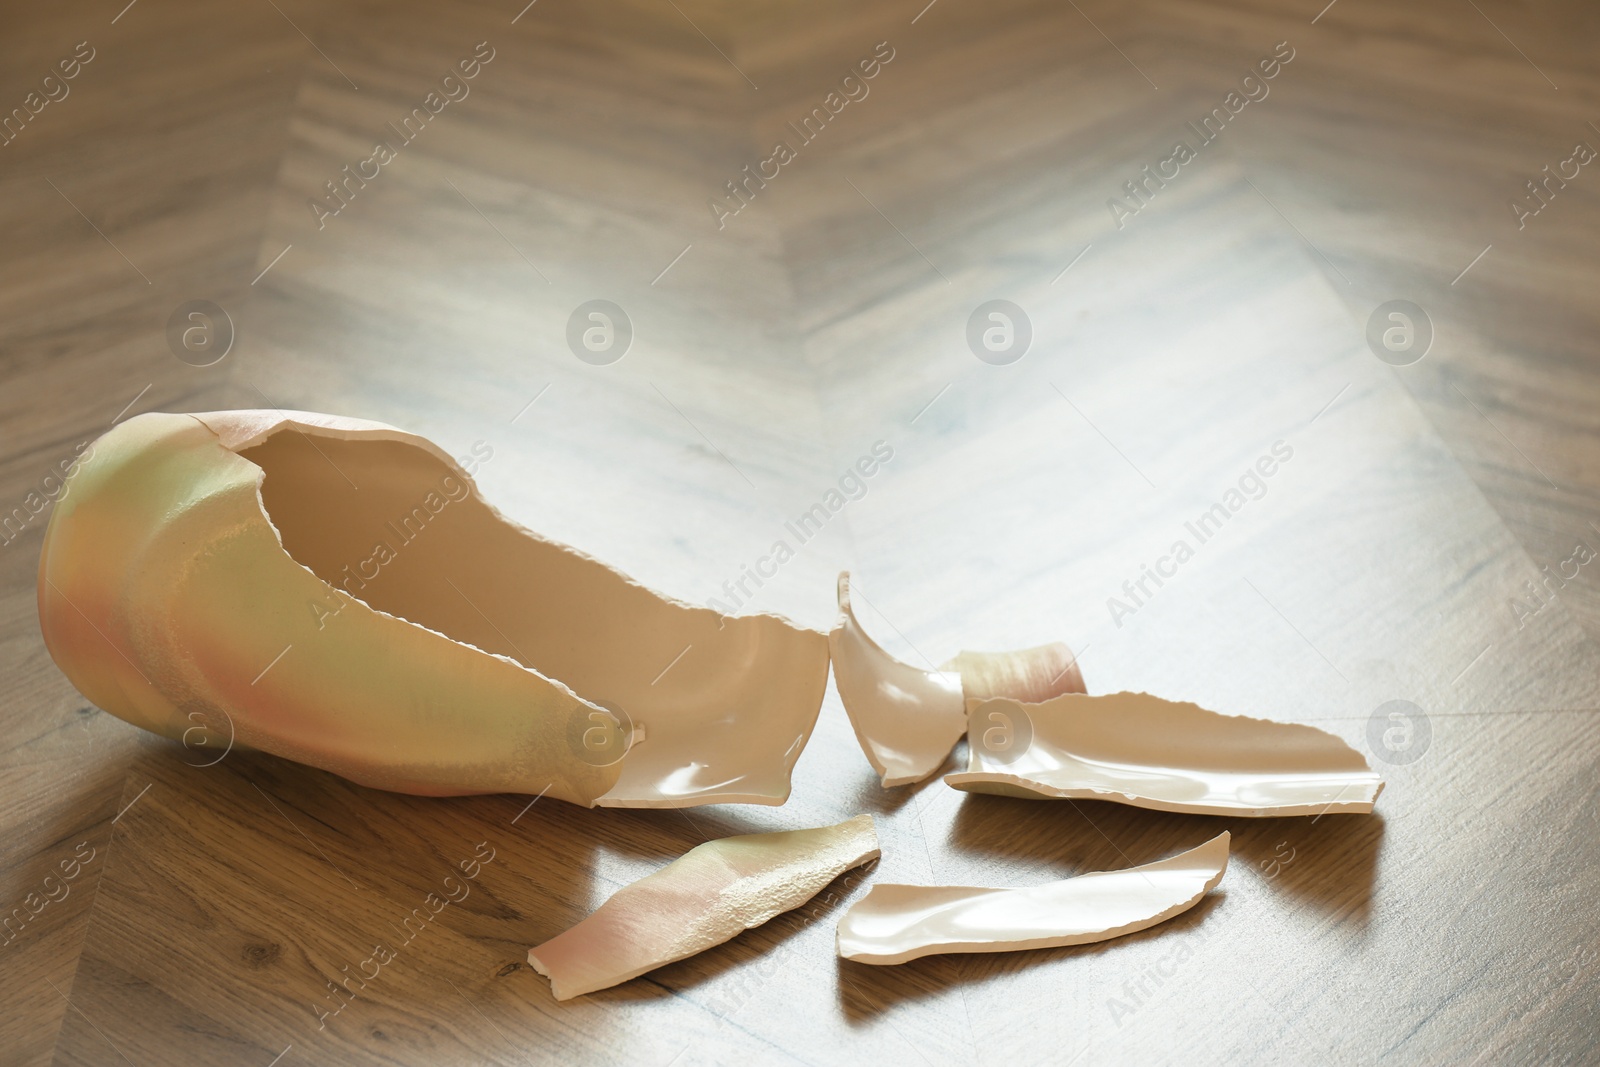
{"type": "Point", "coordinates": [210, 906]}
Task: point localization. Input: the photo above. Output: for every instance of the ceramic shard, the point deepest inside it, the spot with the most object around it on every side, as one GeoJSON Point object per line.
{"type": "Point", "coordinates": [709, 895]}
{"type": "Point", "coordinates": [1133, 748]}
{"type": "Point", "coordinates": [337, 592]}
{"type": "Point", "coordinates": [1032, 675]}
{"type": "Point", "coordinates": [896, 923]}
{"type": "Point", "coordinates": [906, 719]}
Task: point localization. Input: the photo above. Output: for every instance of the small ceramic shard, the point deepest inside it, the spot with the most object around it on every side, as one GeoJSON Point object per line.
{"type": "Point", "coordinates": [1137, 749]}
{"type": "Point", "coordinates": [896, 923]}
{"type": "Point", "coordinates": [1032, 675]}
{"type": "Point", "coordinates": [907, 719]}
{"type": "Point", "coordinates": [337, 592]}
{"type": "Point", "coordinates": [709, 895]}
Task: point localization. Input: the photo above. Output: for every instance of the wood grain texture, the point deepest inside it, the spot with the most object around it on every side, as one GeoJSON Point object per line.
{"type": "Point", "coordinates": [1455, 925]}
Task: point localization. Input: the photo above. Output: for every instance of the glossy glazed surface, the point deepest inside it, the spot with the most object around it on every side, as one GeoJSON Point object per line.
{"type": "Point", "coordinates": [336, 592]}
{"type": "Point", "coordinates": [1031, 675]}
{"type": "Point", "coordinates": [712, 893]}
{"type": "Point", "coordinates": [907, 719]}
{"type": "Point", "coordinates": [896, 923]}
{"type": "Point", "coordinates": [1134, 748]}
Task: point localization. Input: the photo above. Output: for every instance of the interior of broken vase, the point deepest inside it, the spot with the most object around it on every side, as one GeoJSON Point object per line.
{"type": "Point", "coordinates": [403, 532]}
